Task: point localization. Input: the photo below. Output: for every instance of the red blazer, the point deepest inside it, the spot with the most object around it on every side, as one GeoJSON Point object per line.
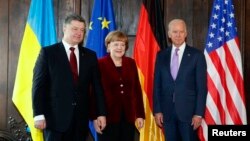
{"type": "Point", "coordinates": [122, 90]}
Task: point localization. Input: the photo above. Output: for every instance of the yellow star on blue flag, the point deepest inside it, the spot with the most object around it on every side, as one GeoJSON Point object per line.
{"type": "Point", "coordinates": [105, 23]}
{"type": "Point", "coordinates": [101, 23]}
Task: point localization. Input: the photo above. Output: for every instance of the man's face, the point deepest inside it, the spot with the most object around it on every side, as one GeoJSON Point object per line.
{"type": "Point", "coordinates": [177, 33]}
{"type": "Point", "coordinates": [74, 32]}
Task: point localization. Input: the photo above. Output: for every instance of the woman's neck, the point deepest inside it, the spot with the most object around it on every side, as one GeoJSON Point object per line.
{"type": "Point", "coordinates": [117, 61]}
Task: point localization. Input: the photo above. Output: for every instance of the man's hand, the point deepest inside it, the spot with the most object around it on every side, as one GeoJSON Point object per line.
{"type": "Point", "coordinates": [40, 124]}
{"type": "Point", "coordinates": [196, 121]}
{"type": "Point", "coordinates": [100, 124]}
{"type": "Point", "coordinates": [159, 119]}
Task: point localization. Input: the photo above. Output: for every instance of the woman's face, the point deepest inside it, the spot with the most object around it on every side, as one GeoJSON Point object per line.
{"type": "Point", "coordinates": [117, 48]}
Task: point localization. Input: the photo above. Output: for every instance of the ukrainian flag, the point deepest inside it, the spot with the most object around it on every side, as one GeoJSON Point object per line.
{"type": "Point", "coordinates": [39, 32]}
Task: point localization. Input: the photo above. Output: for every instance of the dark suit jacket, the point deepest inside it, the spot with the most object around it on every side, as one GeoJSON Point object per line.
{"type": "Point", "coordinates": [54, 92]}
{"type": "Point", "coordinates": [122, 90]}
{"type": "Point", "coordinates": [189, 88]}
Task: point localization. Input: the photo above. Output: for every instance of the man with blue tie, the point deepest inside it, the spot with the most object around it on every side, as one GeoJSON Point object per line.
{"type": "Point", "coordinates": [180, 86]}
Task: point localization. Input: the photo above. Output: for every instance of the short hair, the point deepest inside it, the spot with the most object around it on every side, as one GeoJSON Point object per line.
{"type": "Point", "coordinates": [175, 21]}
{"type": "Point", "coordinates": [74, 17]}
{"type": "Point", "coordinates": [116, 36]}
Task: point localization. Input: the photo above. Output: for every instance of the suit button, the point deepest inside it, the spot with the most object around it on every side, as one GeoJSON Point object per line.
{"type": "Point", "coordinates": [121, 85]}
{"type": "Point", "coordinates": [122, 92]}
{"type": "Point", "coordinates": [74, 104]}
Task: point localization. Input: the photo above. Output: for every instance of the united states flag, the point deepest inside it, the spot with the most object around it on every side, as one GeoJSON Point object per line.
{"type": "Point", "coordinates": [225, 99]}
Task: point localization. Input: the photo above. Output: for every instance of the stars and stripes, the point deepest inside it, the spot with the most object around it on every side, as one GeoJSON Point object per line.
{"type": "Point", "coordinates": [225, 99]}
{"type": "Point", "coordinates": [222, 26]}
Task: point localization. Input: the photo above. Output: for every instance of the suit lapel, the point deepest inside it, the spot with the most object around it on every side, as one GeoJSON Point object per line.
{"type": "Point", "coordinates": [62, 56]}
{"type": "Point", "coordinates": [167, 59]}
{"type": "Point", "coordinates": [81, 60]}
{"type": "Point", "coordinates": [184, 61]}
{"type": "Point", "coordinates": [115, 73]}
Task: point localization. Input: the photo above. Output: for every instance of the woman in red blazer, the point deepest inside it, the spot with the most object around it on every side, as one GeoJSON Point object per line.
{"type": "Point", "coordinates": [122, 91]}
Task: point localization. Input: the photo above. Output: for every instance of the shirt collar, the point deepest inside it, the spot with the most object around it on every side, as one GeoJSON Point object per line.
{"type": "Point", "coordinates": [181, 48]}
{"type": "Point", "coordinates": [67, 45]}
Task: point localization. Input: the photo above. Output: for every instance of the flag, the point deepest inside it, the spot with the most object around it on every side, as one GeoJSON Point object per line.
{"type": "Point", "coordinates": [101, 23]}
{"type": "Point", "coordinates": [225, 100]}
{"type": "Point", "coordinates": [39, 31]}
{"type": "Point", "coordinates": [150, 38]}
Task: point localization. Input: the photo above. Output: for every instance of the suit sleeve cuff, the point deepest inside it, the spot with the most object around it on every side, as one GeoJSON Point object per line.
{"type": "Point", "coordinates": [39, 117]}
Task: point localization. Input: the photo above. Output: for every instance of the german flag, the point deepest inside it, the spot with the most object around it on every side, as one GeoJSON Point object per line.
{"type": "Point", "coordinates": [150, 38]}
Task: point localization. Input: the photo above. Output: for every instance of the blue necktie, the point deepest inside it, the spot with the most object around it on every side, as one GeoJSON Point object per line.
{"type": "Point", "coordinates": [175, 64]}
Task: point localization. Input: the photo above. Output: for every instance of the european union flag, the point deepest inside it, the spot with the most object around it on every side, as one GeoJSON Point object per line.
{"type": "Point", "coordinates": [101, 23]}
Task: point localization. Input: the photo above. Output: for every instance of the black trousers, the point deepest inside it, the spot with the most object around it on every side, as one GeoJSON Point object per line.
{"type": "Point", "coordinates": [122, 131]}
{"type": "Point", "coordinates": [177, 130]}
{"type": "Point", "coordinates": [75, 132]}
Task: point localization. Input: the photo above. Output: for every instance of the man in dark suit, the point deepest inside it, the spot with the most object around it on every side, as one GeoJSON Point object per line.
{"type": "Point", "coordinates": [180, 86]}
{"type": "Point", "coordinates": [61, 91]}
